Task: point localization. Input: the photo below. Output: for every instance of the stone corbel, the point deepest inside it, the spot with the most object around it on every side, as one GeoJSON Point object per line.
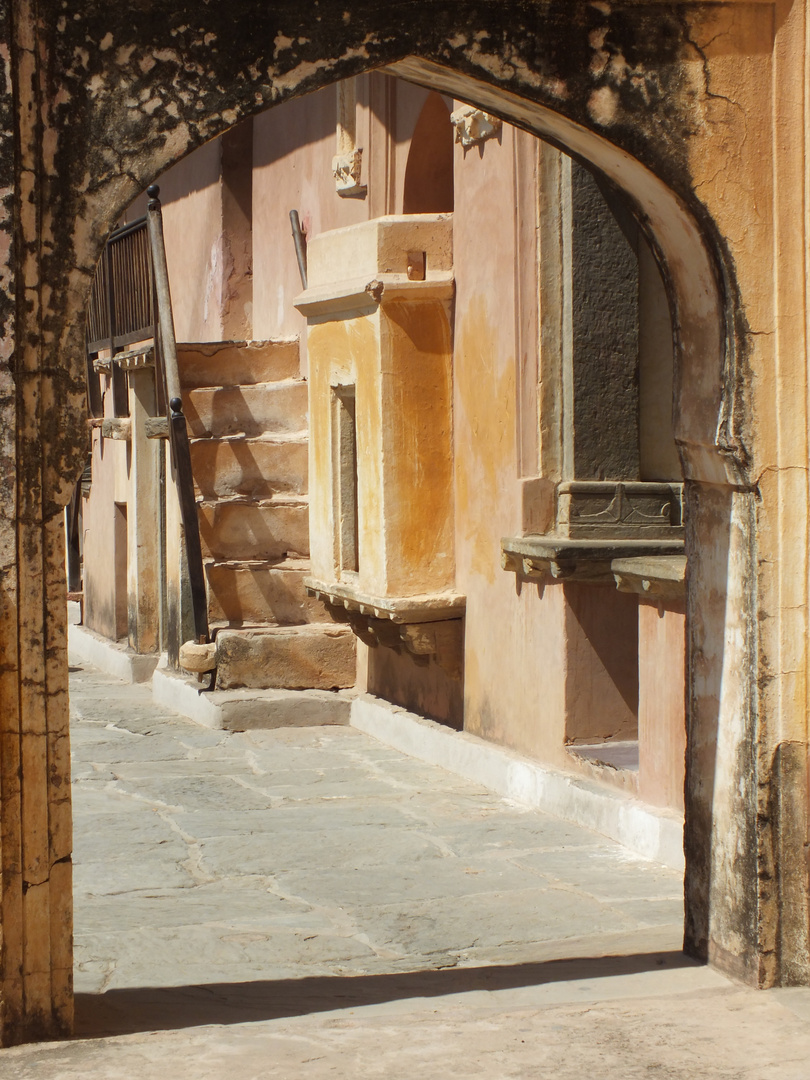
{"type": "Point", "coordinates": [443, 640]}
{"type": "Point", "coordinates": [119, 428]}
{"type": "Point", "coordinates": [136, 359]}
{"type": "Point", "coordinates": [156, 427]}
{"type": "Point", "coordinates": [474, 126]}
{"type": "Point", "coordinates": [347, 170]}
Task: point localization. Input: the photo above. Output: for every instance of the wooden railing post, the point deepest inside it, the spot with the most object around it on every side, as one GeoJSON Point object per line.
{"type": "Point", "coordinates": [178, 432]}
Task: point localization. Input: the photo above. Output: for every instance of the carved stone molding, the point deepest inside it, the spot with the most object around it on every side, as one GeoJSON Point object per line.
{"type": "Point", "coordinates": [428, 607]}
{"type": "Point", "coordinates": [619, 509]}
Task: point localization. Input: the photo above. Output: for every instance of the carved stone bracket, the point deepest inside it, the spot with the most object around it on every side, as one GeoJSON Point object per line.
{"type": "Point", "coordinates": [118, 428]}
{"type": "Point", "coordinates": [136, 359]}
{"type": "Point", "coordinates": [102, 365]}
{"type": "Point", "coordinates": [425, 626]}
{"type": "Point", "coordinates": [660, 577]}
{"type": "Point", "coordinates": [131, 360]}
{"type": "Point", "coordinates": [347, 170]}
{"type": "Point", "coordinates": [474, 126]}
{"type": "Point", "coordinates": [625, 564]}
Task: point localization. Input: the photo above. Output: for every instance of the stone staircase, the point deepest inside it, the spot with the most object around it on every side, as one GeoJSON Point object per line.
{"type": "Point", "coordinates": [246, 408]}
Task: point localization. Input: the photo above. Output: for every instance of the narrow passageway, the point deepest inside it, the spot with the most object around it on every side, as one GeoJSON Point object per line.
{"type": "Point", "coordinates": [310, 903]}
{"type": "Point", "coordinates": [208, 857]}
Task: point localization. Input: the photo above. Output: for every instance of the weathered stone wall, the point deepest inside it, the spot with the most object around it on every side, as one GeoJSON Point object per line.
{"type": "Point", "coordinates": [679, 105]}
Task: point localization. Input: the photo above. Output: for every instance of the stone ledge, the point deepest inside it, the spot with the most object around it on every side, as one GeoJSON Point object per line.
{"type": "Point", "coordinates": [648, 831]}
{"type": "Point", "coordinates": [427, 607]}
{"type": "Point", "coordinates": [564, 558]}
{"type": "Point", "coordinates": [661, 577]}
{"type": "Point", "coordinates": [109, 656]}
{"type": "Point", "coordinates": [369, 292]}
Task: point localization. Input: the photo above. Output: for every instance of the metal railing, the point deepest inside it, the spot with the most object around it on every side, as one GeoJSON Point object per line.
{"type": "Point", "coordinates": [121, 311]}
{"type": "Point", "coordinates": [131, 303]}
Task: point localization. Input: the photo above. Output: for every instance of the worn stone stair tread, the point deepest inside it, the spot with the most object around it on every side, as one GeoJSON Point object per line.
{"type": "Point", "coordinates": [249, 410]}
{"type": "Point", "coordinates": [246, 709]}
{"type": "Point", "coordinates": [293, 563]}
{"type": "Point", "coordinates": [237, 363]}
{"type": "Point", "coordinates": [318, 656]}
{"type": "Point", "coordinates": [282, 438]}
{"type": "Point", "coordinates": [283, 499]}
{"type": "Point", "coordinates": [250, 468]}
{"type": "Point", "coordinates": [233, 530]}
{"type": "Point", "coordinates": [261, 593]}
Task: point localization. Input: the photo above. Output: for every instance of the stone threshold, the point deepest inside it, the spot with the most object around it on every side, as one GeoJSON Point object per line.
{"type": "Point", "coordinates": [646, 830]}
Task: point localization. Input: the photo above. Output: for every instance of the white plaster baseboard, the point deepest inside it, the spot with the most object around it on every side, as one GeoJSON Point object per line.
{"type": "Point", "coordinates": [655, 834]}
{"type": "Point", "coordinates": [109, 656]}
{"type": "Point", "coordinates": [241, 710]}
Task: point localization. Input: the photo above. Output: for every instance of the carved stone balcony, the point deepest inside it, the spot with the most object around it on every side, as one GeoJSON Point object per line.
{"type": "Point", "coordinates": [629, 535]}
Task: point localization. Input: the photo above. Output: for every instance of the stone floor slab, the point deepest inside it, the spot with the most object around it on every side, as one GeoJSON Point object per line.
{"type": "Point", "coordinates": [311, 904]}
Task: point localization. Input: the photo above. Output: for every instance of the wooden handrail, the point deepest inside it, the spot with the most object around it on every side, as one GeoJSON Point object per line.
{"type": "Point", "coordinates": [178, 431]}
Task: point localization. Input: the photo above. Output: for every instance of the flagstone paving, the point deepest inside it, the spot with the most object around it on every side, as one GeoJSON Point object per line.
{"type": "Point", "coordinates": [307, 902]}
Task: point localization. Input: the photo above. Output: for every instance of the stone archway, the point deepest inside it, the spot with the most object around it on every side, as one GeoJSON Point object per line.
{"type": "Point", "coordinates": [106, 100]}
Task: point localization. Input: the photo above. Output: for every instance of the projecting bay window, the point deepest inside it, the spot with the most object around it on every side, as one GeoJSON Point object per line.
{"type": "Point", "coordinates": [382, 540]}
{"type": "Point", "coordinates": [603, 515]}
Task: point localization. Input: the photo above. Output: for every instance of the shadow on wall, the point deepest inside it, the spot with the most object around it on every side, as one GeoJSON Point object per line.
{"type": "Point", "coordinates": [429, 184]}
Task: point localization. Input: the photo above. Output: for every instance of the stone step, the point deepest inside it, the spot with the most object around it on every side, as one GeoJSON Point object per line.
{"type": "Point", "coordinates": [243, 710]}
{"type": "Point", "coordinates": [252, 593]}
{"type": "Point", "coordinates": [236, 529]}
{"type": "Point", "coordinates": [319, 656]}
{"type": "Point", "coordinates": [247, 410]}
{"type": "Point", "coordinates": [256, 468]}
{"type": "Point", "coordinates": [236, 363]}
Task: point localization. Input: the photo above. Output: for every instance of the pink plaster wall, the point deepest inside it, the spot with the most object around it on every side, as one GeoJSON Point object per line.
{"type": "Point", "coordinates": [103, 543]}
{"type": "Point", "coordinates": [534, 654]}
{"type": "Point", "coordinates": [661, 720]}
{"type": "Point", "coordinates": [515, 646]}
{"type": "Point", "coordinates": [293, 148]}
{"type": "Point", "coordinates": [191, 195]}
